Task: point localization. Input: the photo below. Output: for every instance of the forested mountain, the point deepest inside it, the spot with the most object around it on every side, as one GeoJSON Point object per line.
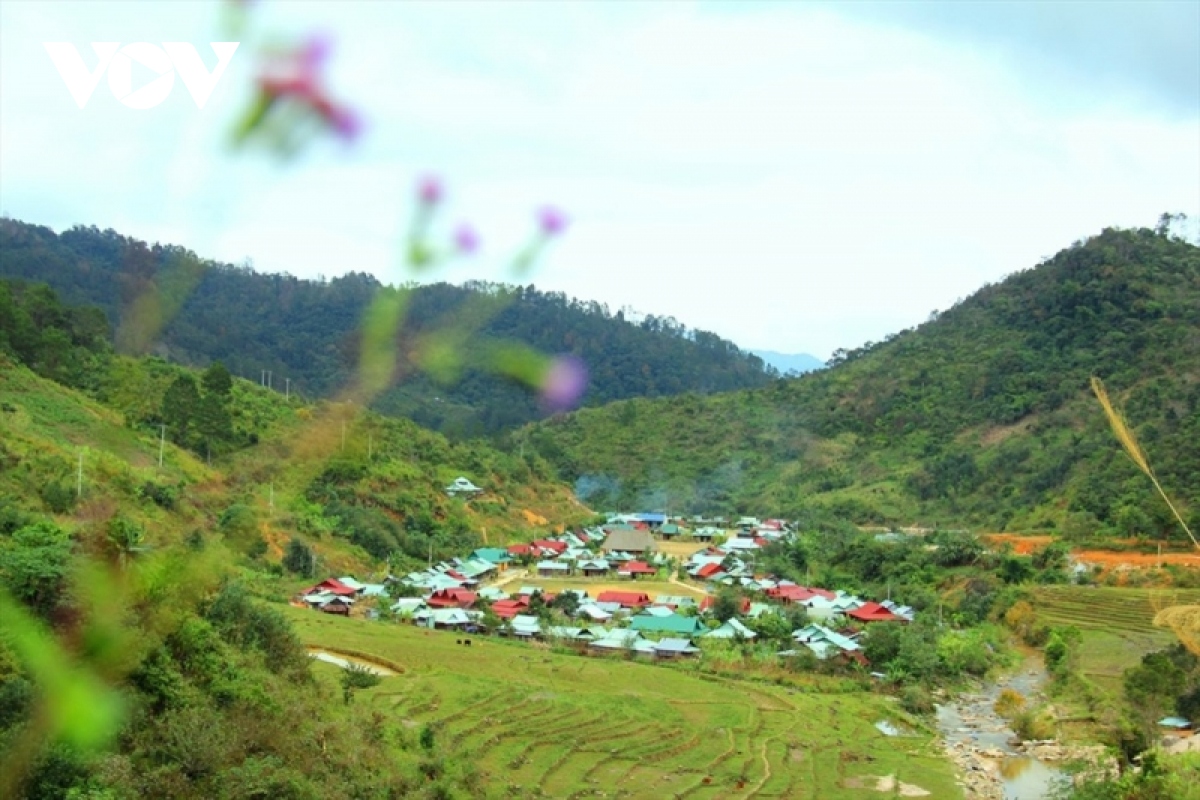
{"type": "Point", "coordinates": [308, 331]}
{"type": "Point", "coordinates": [981, 415]}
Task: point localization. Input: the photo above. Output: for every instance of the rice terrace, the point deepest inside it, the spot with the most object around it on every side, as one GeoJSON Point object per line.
{"type": "Point", "coordinates": [556, 726]}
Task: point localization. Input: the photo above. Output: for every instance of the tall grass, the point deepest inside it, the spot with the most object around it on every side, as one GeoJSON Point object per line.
{"type": "Point", "coordinates": [1183, 620]}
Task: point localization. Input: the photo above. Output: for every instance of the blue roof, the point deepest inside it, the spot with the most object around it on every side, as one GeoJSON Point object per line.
{"type": "Point", "coordinates": [646, 517]}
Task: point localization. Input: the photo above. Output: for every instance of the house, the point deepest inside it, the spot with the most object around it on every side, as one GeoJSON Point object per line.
{"type": "Point", "coordinates": [526, 626]}
{"type": "Point", "coordinates": [353, 584]}
{"type": "Point", "coordinates": [331, 586]}
{"type": "Point", "coordinates": [549, 547]}
{"type": "Point", "coordinates": [408, 606]}
{"type": "Point", "coordinates": [551, 569]}
{"type": "Point", "coordinates": [674, 648]}
{"type": "Point", "coordinates": [625, 599]}
{"type": "Point", "coordinates": [337, 605]}
{"type": "Point", "coordinates": [617, 639]}
{"type": "Point", "coordinates": [596, 568]}
{"type": "Point", "coordinates": [732, 629]}
{"type": "Point", "coordinates": [629, 540]}
{"type": "Point", "coordinates": [493, 555]}
{"type": "Point", "coordinates": [507, 609]}
{"type": "Point", "coordinates": [825, 643]}
{"type": "Point", "coordinates": [444, 618]}
{"type": "Point", "coordinates": [709, 572]}
{"type": "Point", "coordinates": [634, 569]}
{"type": "Point", "coordinates": [874, 612]}
{"type": "Point", "coordinates": [461, 487]}
{"type": "Point", "coordinates": [707, 533]}
{"type": "Point", "coordinates": [671, 623]}
{"type": "Point", "coordinates": [593, 612]}
{"type": "Point", "coordinates": [670, 531]}
{"type": "Point", "coordinates": [452, 598]}
{"type": "Point", "coordinates": [520, 551]}
{"type": "Point", "coordinates": [653, 520]}
{"type": "Point", "coordinates": [674, 601]}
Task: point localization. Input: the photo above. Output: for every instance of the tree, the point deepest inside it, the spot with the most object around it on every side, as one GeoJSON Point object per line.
{"type": "Point", "coordinates": [298, 557]}
{"type": "Point", "coordinates": [356, 676]}
{"type": "Point", "coordinates": [180, 408]}
{"type": "Point", "coordinates": [1051, 557]}
{"type": "Point", "coordinates": [34, 564]}
{"type": "Point", "coordinates": [217, 381]}
{"type": "Point", "coordinates": [126, 537]}
{"type": "Point", "coordinates": [727, 605]}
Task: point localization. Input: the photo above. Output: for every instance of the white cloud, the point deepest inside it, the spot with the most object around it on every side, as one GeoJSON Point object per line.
{"type": "Point", "coordinates": [787, 176]}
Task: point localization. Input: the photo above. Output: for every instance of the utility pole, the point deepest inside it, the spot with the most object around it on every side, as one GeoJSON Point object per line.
{"type": "Point", "coordinates": [79, 477]}
{"type": "Point", "coordinates": [162, 440]}
{"type": "Point", "coordinates": [262, 378]}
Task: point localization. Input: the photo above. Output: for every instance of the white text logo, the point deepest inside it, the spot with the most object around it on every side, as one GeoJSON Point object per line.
{"type": "Point", "coordinates": [172, 57]}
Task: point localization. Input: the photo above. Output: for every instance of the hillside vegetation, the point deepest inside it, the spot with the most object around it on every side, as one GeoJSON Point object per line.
{"type": "Point", "coordinates": [307, 331]}
{"type": "Point", "coordinates": [143, 506]}
{"type": "Point", "coordinates": [981, 416]}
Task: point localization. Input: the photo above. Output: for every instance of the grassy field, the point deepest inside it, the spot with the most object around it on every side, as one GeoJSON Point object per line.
{"type": "Point", "coordinates": [594, 586]}
{"type": "Point", "coordinates": [1117, 625]}
{"type": "Point", "coordinates": [565, 726]}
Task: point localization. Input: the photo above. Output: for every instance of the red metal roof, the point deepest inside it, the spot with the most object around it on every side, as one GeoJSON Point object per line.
{"type": "Point", "coordinates": [637, 568]}
{"type": "Point", "coordinates": [708, 570]}
{"type": "Point", "coordinates": [626, 599]}
{"type": "Point", "coordinates": [507, 609]}
{"type": "Point", "coordinates": [550, 544]}
{"type": "Point", "coordinates": [452, 598]}
{"type": "Point", "coordinates": [520, 549]}
{"type": "Point", "coordinates": [333, 586]}
{"type": "Point", "coordinates": [873, 612]}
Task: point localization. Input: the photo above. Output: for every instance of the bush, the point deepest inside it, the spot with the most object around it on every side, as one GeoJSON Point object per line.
{"type": "Point", "coordinates": [58, 496]}
{"type": "Point", "coordinates": [1034, 724]}
{"type": "Point", "coordinates": [916, 700]}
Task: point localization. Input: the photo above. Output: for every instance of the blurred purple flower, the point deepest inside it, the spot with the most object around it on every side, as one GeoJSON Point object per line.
{"type": "Point", "coordinates": [315, 51]}
{"type": "Point", "coordinates": [346, 122]}
{"type": "Point", "coordinates": [551, 221]}
{"type": "Point", "coordinates": [466, 240]}
{"type": "Point", "coordinates": [430, 190]}
{"type": "Point", "coordinates": [564, 383]}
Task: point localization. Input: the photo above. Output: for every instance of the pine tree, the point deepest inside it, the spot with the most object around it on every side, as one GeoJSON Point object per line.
{"type": "Point", "coordinates": [180, 409]}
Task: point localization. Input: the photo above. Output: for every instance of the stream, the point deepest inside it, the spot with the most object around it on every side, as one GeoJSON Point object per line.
{"type": "Point", "coordinates": [972, 728]}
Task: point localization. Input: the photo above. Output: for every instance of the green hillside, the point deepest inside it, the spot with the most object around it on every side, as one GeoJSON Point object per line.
{"type": "Point", "coordinates": [981, 416]}
{"type": "Point", "coordinates": [307, 331]}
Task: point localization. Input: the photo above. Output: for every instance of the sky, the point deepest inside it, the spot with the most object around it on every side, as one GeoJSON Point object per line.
{"type": "Point", "coordinates": [797, 177]}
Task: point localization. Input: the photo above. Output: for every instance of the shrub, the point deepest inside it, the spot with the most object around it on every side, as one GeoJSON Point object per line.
{"type": "Point", "coordinates": [59, 497]}
{"type": "Point", "coordinates": [916, 700]}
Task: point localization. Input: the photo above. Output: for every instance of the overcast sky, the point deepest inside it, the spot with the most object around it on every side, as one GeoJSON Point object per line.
{"type": "Point", "coordinates": [793, 176]}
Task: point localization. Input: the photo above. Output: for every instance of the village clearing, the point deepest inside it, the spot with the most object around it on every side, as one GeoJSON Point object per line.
{"type": "Point", "coordinates": [558, 725]}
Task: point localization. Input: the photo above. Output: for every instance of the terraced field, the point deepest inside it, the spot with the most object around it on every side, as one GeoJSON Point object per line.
{"type": "Point", "coordinates": [1117, 624]}
{"type": "Point", "coordinates": [553, 725]}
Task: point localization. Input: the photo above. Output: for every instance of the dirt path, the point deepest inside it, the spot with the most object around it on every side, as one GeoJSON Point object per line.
{"type": "Point", "coordinates": [344, 660]}
{"type": "Point", "coordinates": [509, 577]}
{"type": "Point", "coordinates": [674, 580]}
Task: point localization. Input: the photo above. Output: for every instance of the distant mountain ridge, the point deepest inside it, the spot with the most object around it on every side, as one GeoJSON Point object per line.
{"type": "Point", "coordinates": [786, 363]}
{"type": "Point", "coordinates": [307, 331]}
{"type": "Point", "coordinates": [980, 416]}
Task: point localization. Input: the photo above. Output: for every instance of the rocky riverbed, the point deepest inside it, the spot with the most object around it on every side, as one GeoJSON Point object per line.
{"type": "Point", "coordinates": [993, 763]}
